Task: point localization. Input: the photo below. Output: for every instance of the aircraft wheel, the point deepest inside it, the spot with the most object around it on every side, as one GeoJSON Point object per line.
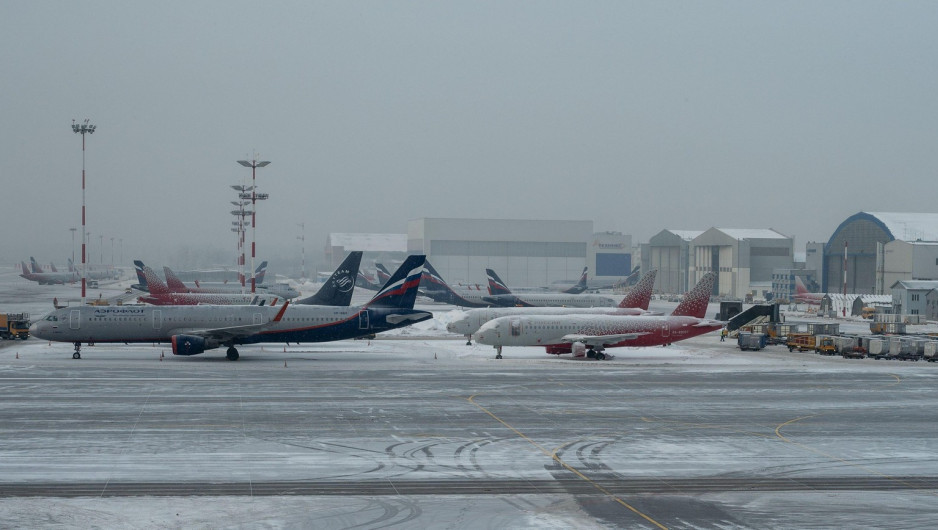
{"type": "Point", "coordinates": [498, 356]}
{"type": "Point", "coordinates": [590, 354]}
{"type": "Point", "coordinates": [600, 356]}
{"type": "Point", "coordinates": [468, 343]}
{"type": "Point", "coordinates": [232, 354]}
{"type": "Point", "coordinates": [76, 355]}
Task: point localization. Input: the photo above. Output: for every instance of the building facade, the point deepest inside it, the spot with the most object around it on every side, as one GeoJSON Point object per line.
{"type": "Point", "coordinates": [742, 258]}
{"type": "Point", "coordinates": [524, 253]}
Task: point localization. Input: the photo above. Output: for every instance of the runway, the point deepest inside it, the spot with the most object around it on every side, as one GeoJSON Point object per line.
{"type": "Point", "coordinates": [421, 432]}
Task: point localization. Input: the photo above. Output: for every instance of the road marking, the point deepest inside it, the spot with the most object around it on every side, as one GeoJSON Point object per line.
{"type": "Point", "coordinates": [554, 457]}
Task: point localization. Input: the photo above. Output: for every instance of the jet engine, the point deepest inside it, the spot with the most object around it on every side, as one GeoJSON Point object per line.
{"type": "Point", "coordinates": [191, 344]}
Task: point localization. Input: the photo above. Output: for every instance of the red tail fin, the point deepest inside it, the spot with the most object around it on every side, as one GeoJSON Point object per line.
{"type": "Point", "coordinates": [640, 295]}
{"type": "Point", "coordinates": [695, 302]}
{"type": "Point", "coordinates": [154, 283]}
{"type": "Point", "coordinates": [800, 289]}
{"type": "Point", "coordinates": [173, 282]}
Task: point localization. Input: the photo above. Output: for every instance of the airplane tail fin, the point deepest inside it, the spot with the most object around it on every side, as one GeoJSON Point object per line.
{"type": "Point", "coordinates": [580, 285]}
{"type": "Point", "coordinates": [338, 289]}
{"type": "Point", "coordinates": [71, 265]}
{"type": "Point", "coordinates": [153, 282]}
{"type": "Point", "coordinates": [173, 281]}
{"type": "Point", "coordinates": [52, 267]}
{"type": "Point", "coordinates": [34, 265]}
{"type": "Point", "coordinates": [496, 285]}
{"type": "Point", "coordinates": [383, 274]}
{"type": "Point", "coordinates": [260, 272]}
{"type": "Point", "coordinates": [431, 280]}
{"type": "Point", "coordinates": [800, 289]}
{"type": "Point", "coordinates": [400, 291]}
{"type": "Point", "coordinates": [640, 295]}
{"type": "Point", "coordinates": [26, 271]}
{"type": "Point", "coordinates": [696, 300]}
{"type": "Point", "coordinates": [141, 277]}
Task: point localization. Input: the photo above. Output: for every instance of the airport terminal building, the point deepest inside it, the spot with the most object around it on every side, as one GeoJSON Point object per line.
{"type": "Point", "coordinates": [524, 253]}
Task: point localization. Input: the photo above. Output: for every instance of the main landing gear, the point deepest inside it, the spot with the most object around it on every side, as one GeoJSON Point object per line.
{"type": "Point", "coordinates": [232, 353]}
{"type": "Point", "coordinates": [498, 352]}
{"type": "Point", "coordinates": [468, 340]}
{"type": "Point", "coordinates": [77, 354]}
{"type": "Point", "coordinates": [593, 354]}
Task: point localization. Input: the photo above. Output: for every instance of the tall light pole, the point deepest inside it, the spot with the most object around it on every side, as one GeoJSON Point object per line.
{"type": "Point", "coordinates": [82, 129]}
{"type": "Point", "coordinates": [302, 237]}
{"type": "Point", "coordinates": [101, 248]}
{"type": "Point", "coordinates": [240, 229]}
{"type": "Point", "coordinates": [112, 252]}
{"type": "Point", "coordinates": [254, 196]}
{"type": "Point", "coordinates": [73, 230]}
{"type": "Point", "coordinates": [120, 240]}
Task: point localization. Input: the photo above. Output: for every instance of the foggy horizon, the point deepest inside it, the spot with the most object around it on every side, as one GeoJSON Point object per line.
{"type": "Point", "coordinates": [637, 116]}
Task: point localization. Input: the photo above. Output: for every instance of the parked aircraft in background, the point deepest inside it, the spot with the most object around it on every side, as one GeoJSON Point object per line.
{"type": "Point", "coordinates": [501, 296]}
{"type": "Point", "coordinates": [589, 335]}
{"type": "Point", "coordinates": [366, 282]}
{"type": "Point", "coordinates": [195, 329]}
{"type": "Point", "coordinates": [382, 273]}
{"type": "Point", "coordinates": [635, 303]}
{"type": "Point", "coordinates": [160, 294]}
{"type": "Point", "coordinates": [434, 287]}
{"type": "Point", "coordinates": [276, 289]}
{"type": "Point", "coordinates": [54, 278]}
{"type": "Point", "coordinates": [802, 295]}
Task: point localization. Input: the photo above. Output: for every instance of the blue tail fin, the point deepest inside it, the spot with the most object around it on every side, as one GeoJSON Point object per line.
{"type": "Point", "coordinates": [260, 272]}
{"type": "Point", "coordinates": [338, 289]}
{"type": "Point", "coordinates": [580, 285]}
{"type": "Point", "coordinates": [400, 291]}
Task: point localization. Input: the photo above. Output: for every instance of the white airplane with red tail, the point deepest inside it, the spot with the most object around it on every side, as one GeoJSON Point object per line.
{"type": "Point", "coordinates": [588, 335]}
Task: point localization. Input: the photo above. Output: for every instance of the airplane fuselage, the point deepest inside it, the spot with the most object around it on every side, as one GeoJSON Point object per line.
{"type": "Point", "coordinates": [549, 300]}
{"type": "Point", "coordinates": [136, 324]}
{"type": "Point", "coordinates": [474, 319]}
{"type": "Point", "coordinates": [549, 331]}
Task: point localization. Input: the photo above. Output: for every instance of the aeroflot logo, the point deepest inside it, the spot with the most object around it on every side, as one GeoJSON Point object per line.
{"type": "Point", "coordinates": [118, 311]}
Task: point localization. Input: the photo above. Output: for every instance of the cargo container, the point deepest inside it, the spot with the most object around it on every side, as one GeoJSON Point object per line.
{"type": "Point", "coordinates": [751, 341]}
{"type": "Point", "coordinates": [931, 351]}
{"type": "Point", "coordinates": [879, 348]}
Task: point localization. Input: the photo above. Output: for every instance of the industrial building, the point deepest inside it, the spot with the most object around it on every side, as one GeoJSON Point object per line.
{"type": "Point", "coordinates": [742, 258]}
{"type": "Point", "coordinates": [864, 237]}
{"type": "Point", "coordinates": [910, 297]}
{"type": "Point", "coordinates": [382, 248]}
{"type": "Point", "coordinates": [524, 253]}
{"type": "Point", "coordinates": [668, 251]}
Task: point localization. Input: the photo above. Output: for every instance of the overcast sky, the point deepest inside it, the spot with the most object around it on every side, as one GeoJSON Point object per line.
{"type": "Point", "coordinates": [638, 116]}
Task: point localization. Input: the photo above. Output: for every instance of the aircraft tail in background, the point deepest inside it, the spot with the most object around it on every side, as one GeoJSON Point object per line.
{"type": "Point", "coordinates": [338, 289]}
{"type": "Point", "coordinates": [696, 300]}
{"type": "Point", "coordinates": [580, 286]}
{"type": "Point", "coordinates": [496, 285]}
{"type": "Point", "coordinates": [383, 273]}
{"type": "Point", "coordinates": [260, 272]}
{"type": "Point", "coordinates": [400, 291]}
{"type": "Point", "coordinates": [34, 265]}
{"type": "Point", "coordinates": [640, 295]}
{"type": "Point", "coordinates": [173, 281]}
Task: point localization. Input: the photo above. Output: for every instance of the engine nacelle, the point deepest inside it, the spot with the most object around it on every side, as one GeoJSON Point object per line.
{"type": "Point", "coordinates": [558, 349]}
{"type": "Point", "coordinates": [191, 344]}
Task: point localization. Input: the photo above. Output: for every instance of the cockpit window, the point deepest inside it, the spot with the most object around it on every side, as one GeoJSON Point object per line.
{"type": "Point", "coordinates": [52, 318]}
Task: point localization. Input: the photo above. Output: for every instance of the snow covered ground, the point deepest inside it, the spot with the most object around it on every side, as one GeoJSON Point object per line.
{"type": "Point", "coordinates": [416, 429]}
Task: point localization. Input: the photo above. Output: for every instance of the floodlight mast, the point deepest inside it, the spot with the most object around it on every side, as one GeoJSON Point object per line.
{"type": "Point", "coordinates": [254, 164]}
{"type": "Point", "coordinates": [83, 128]}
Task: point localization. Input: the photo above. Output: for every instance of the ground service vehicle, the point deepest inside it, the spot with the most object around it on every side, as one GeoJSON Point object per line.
{"type": "Point", "coordinates": [801, 341]}
{"type": "Point", "coordinates": [751, 341]}
{"type": "Point", "coordinates": [824, 344]}
{"type": "Point", "coordinates": [14, 326]}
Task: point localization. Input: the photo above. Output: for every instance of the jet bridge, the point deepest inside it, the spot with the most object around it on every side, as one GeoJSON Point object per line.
{"type": "Point", "coordinates": [755, 314]}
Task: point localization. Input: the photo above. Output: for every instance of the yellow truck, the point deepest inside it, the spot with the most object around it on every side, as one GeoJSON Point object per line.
{"type": "Point", "coordinates": [14, 326]}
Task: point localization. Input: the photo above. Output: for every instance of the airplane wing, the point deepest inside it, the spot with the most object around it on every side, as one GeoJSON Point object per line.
{"type": "Point", "coordinates": [233, 332]}
{"type": "Point", "coordinates": [604, 340]}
